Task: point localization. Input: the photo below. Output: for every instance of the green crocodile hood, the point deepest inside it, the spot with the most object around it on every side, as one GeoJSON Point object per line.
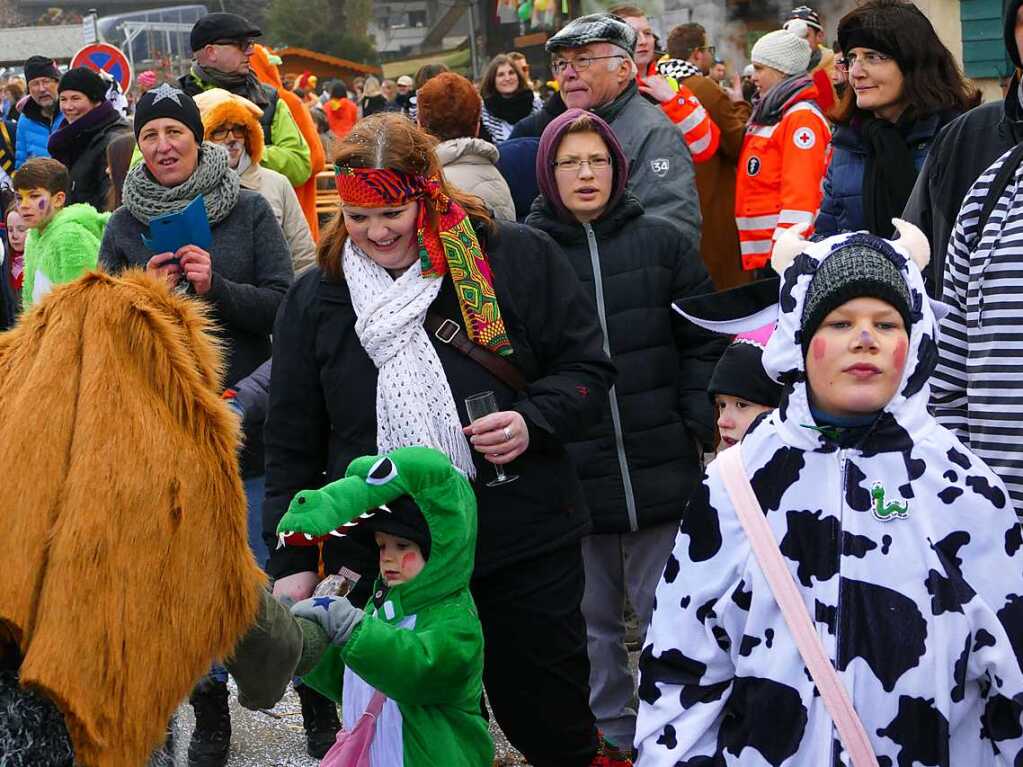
{"type": "Point", "coordinates": [443, 495]}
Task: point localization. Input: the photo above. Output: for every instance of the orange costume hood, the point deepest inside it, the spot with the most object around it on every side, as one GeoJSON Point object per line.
{"type": "Point", "coordinates": [269, 74]}
{"type": "Point", "coordinates": [126, 566]}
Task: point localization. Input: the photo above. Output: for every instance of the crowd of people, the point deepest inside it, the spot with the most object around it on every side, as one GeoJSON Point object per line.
{"type": "Point", "coordinates": [747, 358]}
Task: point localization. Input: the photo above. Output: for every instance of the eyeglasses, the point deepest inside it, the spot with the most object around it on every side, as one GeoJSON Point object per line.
{"type": "Point", "coordinates": [583, 62]}
{"type": "Point", "coordinates": [238, 131]}
{"type": "Point", "coordinates": [868, 60]}
{"type": "Point", "coordinates": [243, 44]}
{"type": "Point", "coordinates": [574, 164]}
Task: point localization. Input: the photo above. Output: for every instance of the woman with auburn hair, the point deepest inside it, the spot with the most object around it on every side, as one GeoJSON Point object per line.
{"type": "Point", "coordinates": [904, 86]}
{"type": "Point", "coordinates": [419, 302]}
{"type": "Point", "coordinates": [507, 97]}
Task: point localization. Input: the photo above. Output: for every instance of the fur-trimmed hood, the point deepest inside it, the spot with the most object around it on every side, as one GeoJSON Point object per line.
{"type": "Point", "coordinates": [126, 561]}
{"type": "Point", "coordinates": [220, 107]}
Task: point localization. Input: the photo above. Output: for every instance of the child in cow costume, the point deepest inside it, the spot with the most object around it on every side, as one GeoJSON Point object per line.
{"type": "Point", "coordinates": [902, 544]}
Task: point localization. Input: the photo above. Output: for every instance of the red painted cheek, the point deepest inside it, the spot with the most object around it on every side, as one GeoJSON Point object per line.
{"type": "Point", "coordinates": [900, 353]}
{"type": "Point", "coordinates": [819, 347]}
{"type": "Point", "coordinates": [407, 560]}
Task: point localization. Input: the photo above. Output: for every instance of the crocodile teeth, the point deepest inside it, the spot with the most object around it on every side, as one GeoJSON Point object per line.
{"type": "Point", "coordinates": [349, 524]}
{"type": "Point", "coordinates": [367, 515]}
{"type": "Point", "coordinates": [307, 536]}
{"type": "Point", "coordinates": [280, 541]}
{"type": "Point", "coordinates": [384, 507]}
{"type": "Point", "coordinates": [337, 534]}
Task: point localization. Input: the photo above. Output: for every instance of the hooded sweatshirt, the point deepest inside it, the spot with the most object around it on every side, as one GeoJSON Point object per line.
{"type": "Point", "coordinates": [420, 642]}
{"type": "Point", "coordinates": [907, 554]}
{"type": "Point", "coordinates": [63, 251]}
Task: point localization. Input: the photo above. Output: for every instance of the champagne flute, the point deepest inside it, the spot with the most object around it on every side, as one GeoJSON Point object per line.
{"type": "Point", "coordinates": [477, 406]}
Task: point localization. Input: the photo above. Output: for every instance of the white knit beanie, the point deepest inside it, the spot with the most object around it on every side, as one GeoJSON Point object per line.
{"type": "Point", "coordinates": [783, 51]}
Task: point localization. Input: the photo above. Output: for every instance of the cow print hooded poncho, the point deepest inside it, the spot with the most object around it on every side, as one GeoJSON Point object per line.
{"type": "Point", "coordinates": [908, 556]}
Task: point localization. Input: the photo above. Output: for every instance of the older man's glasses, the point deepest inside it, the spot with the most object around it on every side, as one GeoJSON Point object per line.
{"type": "Point", "coordinates": [238, 131]}
{"type": "Point", "coordinates": [243, 44]}
{"type": "Point", "coordinates": [583, 62]}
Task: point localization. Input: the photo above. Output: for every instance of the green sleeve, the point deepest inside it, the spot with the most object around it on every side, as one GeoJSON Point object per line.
{"type": "Point", "coordinates": [424, 666]}
{"type": "Point", "coordinates": [74, 253]}
{"type": "Point", "coordinates": [289, 153]}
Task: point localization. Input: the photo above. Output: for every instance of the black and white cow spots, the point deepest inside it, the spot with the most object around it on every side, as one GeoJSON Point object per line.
{"type": "Point", "coordinates": [881, 626]}
{"type": "Point", "coordinates": [810, 541]}
{"type": "Point", "coordinates": [857, 497]}
{"type": "Point", "coordinates": [742, 597]}
{"type": "Point", "coordinates": [982, 487]}
{"type": "Point", "coordinates": [692, 694]}
{"type": "Point", "coordinates": [959, 673]}
{"type": "Point", "coordinates": [671, 667]}
{"type": "Point", "coordinates": [926, 359]}
{"type": "Point", "coordinates": [776, 476]}
{"type": "Point", "coordinates": [960, 459]}
{"type": "Point", "coordinates": [668, 737]}
{"type": "Point", "coordinates": [803, 264]}
{"type": "Point", "coordinates": [1001, 719]}
{"type": "Point", "coordinates": [915, 468]}
{"type": "Point", "coordinates": [1011, 616]}
{"type": "Point", "coordinates": [747, 645]}
{"type": "Point", "coordinates": [950, 493]}
{"type": "Point", "coordinates": [825, 614]}
{"type": "Point", "coordinates": [775, 737]}
{"type": "Point", "coordinates": [706, 610]}
{"type": "Point", "coordinates": [981, 639]}
{"type": "Point", "coordinates": [887, 436]}
{"type": "Point", "coordinates": [886, 544]}
{"type": "Point", "coordinates": [700, 522]}
{"type": "Point", "coordinates": [671, 569]}
{"type": "Point", "coordinates": [1013, 539]}
{"type": "Point", "coordinates": [949, 592]}
{"type": "Point", "coordinates": [921, 731]}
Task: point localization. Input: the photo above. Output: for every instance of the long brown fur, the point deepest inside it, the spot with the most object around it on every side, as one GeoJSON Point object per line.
{"type": "Point", "coordinates": [124, 556]}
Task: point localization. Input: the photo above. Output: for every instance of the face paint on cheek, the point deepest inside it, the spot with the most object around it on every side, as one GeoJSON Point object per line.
{"type": "Point", "coordinates": [819, 347]}
{"type": "Point", "coordinates": [899, 357]}
{"type": "Point", "coordinates": [407, 560]}
{"type": "Point", "coordinates": [42, 205]}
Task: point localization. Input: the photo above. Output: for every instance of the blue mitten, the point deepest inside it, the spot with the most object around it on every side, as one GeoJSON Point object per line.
{"type": "Point", "coordinates": [336, 615]}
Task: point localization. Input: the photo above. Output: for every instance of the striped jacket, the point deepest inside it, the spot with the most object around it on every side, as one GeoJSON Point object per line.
{"type": "Point", "coordinates": [977, 387]}
{"type": "Point", "coordinates": [701, 134]}
{"type": "Point", "coordinates": [779, 177]}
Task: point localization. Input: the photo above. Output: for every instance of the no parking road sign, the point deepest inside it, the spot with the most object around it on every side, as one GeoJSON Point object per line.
{"type": "Point", "coordinates": [103, 57]}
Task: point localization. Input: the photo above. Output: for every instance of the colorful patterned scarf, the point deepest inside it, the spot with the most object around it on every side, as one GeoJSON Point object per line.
{"type": "Point", "coordinates": [450, 246]}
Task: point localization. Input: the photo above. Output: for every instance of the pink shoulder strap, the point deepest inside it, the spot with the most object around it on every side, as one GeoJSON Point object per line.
{"type": "Point", "coordinates": [376, 704]}
{"type": "Point", "coordinates": [786, 594]}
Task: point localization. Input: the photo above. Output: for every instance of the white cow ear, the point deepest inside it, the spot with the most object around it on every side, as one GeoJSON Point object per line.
{"type": "Point", "coordinates": [913, 240]}
{"type": "Point", "coordinates": [789, 245]}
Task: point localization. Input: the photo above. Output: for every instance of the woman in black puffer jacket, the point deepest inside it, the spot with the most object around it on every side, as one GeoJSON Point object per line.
{"type": "Point", "coordinates": [81, 143]}
{"type": "Point", "coordinates": [639, 464]}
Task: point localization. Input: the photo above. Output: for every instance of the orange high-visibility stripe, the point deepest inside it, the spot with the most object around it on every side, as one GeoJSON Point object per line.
{"type": "Point", "coordinates": [701, 133]}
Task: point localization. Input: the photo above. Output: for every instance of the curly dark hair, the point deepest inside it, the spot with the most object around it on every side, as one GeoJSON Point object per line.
{"type": "Point", "coordinates": [933, 82]}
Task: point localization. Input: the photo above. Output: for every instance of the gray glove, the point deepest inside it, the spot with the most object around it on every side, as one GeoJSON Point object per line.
{"type": "Point", "coordinates": [336, 615]}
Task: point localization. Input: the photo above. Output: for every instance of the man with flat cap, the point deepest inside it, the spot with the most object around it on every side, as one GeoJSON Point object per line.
{"type": "Point", "coordinates": [221, 46]}
{"type": "Point", "coordinates": [593, 59]}
{"type": "Point", "coordinates": [40, 117]}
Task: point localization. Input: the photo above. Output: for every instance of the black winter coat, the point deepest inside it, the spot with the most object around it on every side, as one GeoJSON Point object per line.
{"type": "Point", "coordinates": [641, 462]}
{"type": "Point", "coordinates": [962, 151]}
{"type": "Point", "coordinates": [322, 411]}
{"type": "Point", "coordinates": [82, 147]}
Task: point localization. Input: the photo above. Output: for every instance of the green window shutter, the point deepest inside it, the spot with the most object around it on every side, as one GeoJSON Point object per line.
{"type": "Point", "coordinates": [983, 41]}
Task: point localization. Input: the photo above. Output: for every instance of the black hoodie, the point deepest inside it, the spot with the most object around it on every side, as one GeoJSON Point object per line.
{"type": "Point", "coordinates": [962, 151]}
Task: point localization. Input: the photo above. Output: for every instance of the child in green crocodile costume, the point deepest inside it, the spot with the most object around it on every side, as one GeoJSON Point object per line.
{"type": "Point", "coordinates": [419, 640]}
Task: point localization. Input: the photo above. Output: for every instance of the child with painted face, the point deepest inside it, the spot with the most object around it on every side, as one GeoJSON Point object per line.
{"type": "Point", "coordinates": [17, 233]}
{"type": "Point", "coordinates": [63, 240]}
{"type": "Point", "coordinates": [901, 543]}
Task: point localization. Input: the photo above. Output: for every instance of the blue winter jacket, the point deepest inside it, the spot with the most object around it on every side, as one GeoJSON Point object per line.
{"type": "Point", "coordinates": [842, 206]}
{"type": "Point", "coordinates": [34, 133]}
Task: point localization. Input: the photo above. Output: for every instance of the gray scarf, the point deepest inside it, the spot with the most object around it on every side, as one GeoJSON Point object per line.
{"type": "Point", "coordinates": [769, 109]}
{"type": "Point", "coordinates": [146, 199]}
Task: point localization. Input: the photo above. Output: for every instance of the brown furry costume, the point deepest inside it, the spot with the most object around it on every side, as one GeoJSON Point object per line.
{"type": "Point", "coordinates": [229, 109]}
{"type": "Point", "coordinates": [126, 567]}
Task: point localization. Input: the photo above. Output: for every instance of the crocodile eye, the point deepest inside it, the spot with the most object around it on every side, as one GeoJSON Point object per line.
{"type": "Point", "coordinates": [301, 500]}
{"type": "Point", "coordinates": [383, 471]}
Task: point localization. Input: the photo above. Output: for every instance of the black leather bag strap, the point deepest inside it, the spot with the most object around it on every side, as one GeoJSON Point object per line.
{"type": "Point", "coordinates": [450, 332]}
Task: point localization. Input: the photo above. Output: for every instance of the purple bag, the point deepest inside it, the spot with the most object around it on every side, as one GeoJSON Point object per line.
{"type": "Point", "coordinates": [352, 746]}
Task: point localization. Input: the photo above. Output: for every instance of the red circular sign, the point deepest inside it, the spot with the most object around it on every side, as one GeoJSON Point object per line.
{"type": "Point", "coordinates": [103, 57]}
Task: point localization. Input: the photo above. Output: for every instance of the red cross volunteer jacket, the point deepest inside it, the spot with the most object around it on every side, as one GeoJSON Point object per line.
{"type": "Point", "coordinates": [780, 176]}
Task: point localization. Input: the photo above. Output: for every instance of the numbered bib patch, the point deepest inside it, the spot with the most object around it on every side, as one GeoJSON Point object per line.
{"type": "Point", "coordinates": [804, 138]}
{"type": "Point", "coordinates": [660, 167]}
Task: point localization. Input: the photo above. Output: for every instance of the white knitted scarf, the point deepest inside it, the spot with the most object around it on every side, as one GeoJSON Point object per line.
{"type": "Point", "coordinates": [415, 405]}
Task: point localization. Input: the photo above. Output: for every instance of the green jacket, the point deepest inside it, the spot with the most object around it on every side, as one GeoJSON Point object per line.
{"type": "Point", "coordinates": [65, 250]}
{"type": "Point", "coordinates": [420, 642]}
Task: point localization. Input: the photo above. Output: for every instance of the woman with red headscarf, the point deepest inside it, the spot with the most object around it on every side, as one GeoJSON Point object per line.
{"type": "Point", "coordinates": [420, 301]}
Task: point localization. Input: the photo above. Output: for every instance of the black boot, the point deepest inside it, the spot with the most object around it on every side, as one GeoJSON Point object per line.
{"type": "Point", "coordinates": [319, 717]}
{"type": "Point", "coordinates": [211, 739]}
